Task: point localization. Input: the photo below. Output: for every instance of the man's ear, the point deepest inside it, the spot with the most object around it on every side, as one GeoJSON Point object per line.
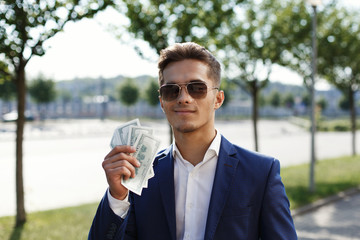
{"type": "Point", "coordinates": [219, 99]}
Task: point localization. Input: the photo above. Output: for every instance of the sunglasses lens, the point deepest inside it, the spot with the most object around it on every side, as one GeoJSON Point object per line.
{"type": "Point", "coordinates": [169, 92]}
{"type": "Point", "coordinates": [197, 90]}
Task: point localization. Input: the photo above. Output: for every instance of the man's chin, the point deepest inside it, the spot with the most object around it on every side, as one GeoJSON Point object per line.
{"type": "Point", "coordinates": [185, 128]}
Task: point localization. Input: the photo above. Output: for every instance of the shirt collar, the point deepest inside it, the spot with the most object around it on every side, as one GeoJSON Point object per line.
{"type": "Point", "coordinates": [214, 146]}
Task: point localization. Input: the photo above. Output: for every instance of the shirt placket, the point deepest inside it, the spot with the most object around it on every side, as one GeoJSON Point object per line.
{"type": "Point", "coordinates": [190, 213]}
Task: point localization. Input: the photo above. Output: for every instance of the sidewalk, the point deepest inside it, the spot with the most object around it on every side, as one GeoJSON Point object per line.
{"type": "Point", "coordinates": [334, 218]}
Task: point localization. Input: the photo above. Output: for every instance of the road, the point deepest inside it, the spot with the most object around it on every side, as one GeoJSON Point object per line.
{"type": "Point", "coordinates": [62, 159]}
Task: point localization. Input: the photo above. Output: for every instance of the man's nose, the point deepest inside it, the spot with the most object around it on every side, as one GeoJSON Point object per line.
{"type": "Point", "coordinates": [184, 95]}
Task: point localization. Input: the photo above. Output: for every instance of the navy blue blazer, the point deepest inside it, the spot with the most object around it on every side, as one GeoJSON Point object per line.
{"type": "Point", "coordinates": [248, 201]}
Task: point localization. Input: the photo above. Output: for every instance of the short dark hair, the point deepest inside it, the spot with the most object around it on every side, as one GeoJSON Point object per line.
{"type": "Point", "coordinates": [189, 50]}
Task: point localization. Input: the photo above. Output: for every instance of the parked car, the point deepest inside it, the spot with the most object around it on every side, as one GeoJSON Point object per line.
{"type": "Point", "coordinates": [13, 116]}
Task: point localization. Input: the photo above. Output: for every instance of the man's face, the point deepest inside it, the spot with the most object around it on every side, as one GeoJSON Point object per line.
{"type": "Point", "coordinates": [187, 113]}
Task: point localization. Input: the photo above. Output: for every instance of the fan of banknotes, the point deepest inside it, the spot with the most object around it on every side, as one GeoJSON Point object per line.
{"type": "Point", "coordinates": [146, 145]}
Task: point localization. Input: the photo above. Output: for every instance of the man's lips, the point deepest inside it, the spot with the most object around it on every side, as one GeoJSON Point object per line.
{"type": "Point", "coordinates": [183, 111]}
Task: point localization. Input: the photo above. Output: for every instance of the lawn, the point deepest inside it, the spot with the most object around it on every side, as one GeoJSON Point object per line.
{"type": "Point", "coordinates": [59, 224]}
{"type": "Point", "coordinates": [332, 176]}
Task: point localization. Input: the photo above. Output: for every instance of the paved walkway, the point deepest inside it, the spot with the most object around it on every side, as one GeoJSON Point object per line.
{"type": "Point", "coordinates": [339, 220]}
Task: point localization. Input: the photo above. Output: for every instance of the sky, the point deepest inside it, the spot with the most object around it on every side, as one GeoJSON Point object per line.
{"type": "Point", "coordinates": [87, 49]}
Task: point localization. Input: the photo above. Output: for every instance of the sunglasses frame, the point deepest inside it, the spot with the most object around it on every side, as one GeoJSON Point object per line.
{"type": "Point", "coordinates": [185, 85]}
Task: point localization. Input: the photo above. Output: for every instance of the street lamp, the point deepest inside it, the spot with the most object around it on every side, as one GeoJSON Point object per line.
{"type": "Point", "coordinates": [314, 4]}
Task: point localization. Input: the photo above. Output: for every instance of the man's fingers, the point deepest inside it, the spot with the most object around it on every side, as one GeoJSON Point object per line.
{"type": "Point", "coordinates": [120, 157]}
{"type": "Point", "coordinates": [120, 148]}
{"type": "Point", "coordinates": [122, 167]}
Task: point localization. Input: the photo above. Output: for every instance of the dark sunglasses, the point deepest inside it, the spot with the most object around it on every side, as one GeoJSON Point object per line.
{"type": "Point", "coordinates": [171, 91]}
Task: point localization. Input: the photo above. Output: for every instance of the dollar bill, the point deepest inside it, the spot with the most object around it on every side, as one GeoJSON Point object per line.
{"type": "Point", "coordinates": [135, 132]}
{"type": "Point", "coordinates": [146, 149]}
{"type": "Point", "coordinates": [150, 174]}
{"type": "Point", "coordinates": [121, 134]}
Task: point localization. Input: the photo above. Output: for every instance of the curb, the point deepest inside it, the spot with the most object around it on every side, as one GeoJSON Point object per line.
{"type": "Point", "coordinates": [325, 201]}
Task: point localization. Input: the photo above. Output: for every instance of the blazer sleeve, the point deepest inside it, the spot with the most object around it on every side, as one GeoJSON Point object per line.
{"type": "Point", "coordinates": [107, 225]}
{"type": "Point", "coordinates": [275, 219]}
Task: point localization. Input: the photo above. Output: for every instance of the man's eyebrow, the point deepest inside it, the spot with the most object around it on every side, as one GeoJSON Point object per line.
{"type": "Point", "coordinates": [197, 80]}
{"type": "Point", "coordinates": [191, 81]}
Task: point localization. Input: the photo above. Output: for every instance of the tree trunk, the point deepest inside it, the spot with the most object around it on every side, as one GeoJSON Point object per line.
{"type": "Point", "coordinates": [21, 96]}
{"type": "Point", "coordinates": [353, 119]}
{"type": "Point", "coordinates": [255, 114]}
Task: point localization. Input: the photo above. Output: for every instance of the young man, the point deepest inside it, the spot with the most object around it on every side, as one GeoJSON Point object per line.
{"type": "Point", "coordinates": [204, 186]}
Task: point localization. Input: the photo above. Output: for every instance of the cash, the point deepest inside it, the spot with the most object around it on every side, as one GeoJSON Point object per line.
{"type": "Point", "coordinates": [146, 145]}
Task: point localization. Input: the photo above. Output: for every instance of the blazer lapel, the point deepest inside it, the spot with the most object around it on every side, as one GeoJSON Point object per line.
{"type": "Point", "coordinates": [165, 173]}
{"type": "Point", "coordinates": [224, 176]}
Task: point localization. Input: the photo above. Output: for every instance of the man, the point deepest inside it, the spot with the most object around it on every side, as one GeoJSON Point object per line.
{"type": "Point", "coordinates": [204, 186]}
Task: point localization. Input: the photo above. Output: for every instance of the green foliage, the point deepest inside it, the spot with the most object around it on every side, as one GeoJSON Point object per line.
{"type": "Point", "coordinates": [339, 39]}
{"type": "Point", "coordinates": [227, 87]}
{"type": "Point", "coordinates": [64, 95]}
{"type": "Point", "coordinates": [289, 100]}
{"type": "Point", "coordinates": [151, 92]}
{"type": "Point", "coordinates": [292, 31]}
{"type": "Point", "coordinates": [161, 23]}
{"type": "Point", "coordinates": [30, 25]}
{"type": "Point", "coordinates": [306, 99]}
{"type": "Point", "coordinates": [128, 92]}
{"type": "Point", "coordinates": [332, 176]}
{"type": "Point", "coordinates": [42, 90]}
{"type": "Point", "coordinates": [322, 103]}
{"type": "Point", "coordinates": [246, 47]}
{"type": "Point", "coordinates": [344, 103]}
{"type": "Point", "coordinates": [7, 87]}
{"type": "Point", "coordinates": [275, 99]}
{"type": "Point", "coordinates": [262, 100]}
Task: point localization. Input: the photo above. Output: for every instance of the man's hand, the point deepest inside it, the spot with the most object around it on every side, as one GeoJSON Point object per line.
{"type": "Point", "coordinates": [118, 164]}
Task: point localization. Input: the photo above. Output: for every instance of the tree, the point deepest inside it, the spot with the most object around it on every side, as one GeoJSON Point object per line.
{"type": "Point", "coordinates": [7, 86]}
{"type": "Point", "coordinates": [227, 87]}
{"type": "Point", "coordinates": [344, 103]}
{"type": "Point", "coordinates": [24, 27]}
{"type": "Point", "coordinates": [289, 100]}
{"type": "Point", "coordinates": [296, 39]}
{"type": "Point", "coordinates": [275, 99]}
{"type": "Point", "coordinates": [42, 91]}
{"type": "Point", "coordinates": [322, 103]}
{"type": "Point", "coordinates": [339, 60]}
{"type": "Point", "coordinates": [162, 23]}
{"type": "Point", "coordinates": [128, 93]}
{"type": "Point", "coordinates": [249, 50]}
{"type": "Point", "coordinates": [151, 93]}
{"type": "Point", "coordinates": [306, 99]}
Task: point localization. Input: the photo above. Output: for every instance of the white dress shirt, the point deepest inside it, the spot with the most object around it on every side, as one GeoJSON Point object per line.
{"type": "Point", "coordinates": [193, 186]}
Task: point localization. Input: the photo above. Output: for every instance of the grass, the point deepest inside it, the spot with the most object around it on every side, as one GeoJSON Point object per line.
{"type": "Point", "coordinates": [331, 176]}
{"type": "Point", "coordinates": [336, 125]}
{"type": "Point", "coordinates": [58, 224]}
{"type": "Point", "coordinates": [326, 125]}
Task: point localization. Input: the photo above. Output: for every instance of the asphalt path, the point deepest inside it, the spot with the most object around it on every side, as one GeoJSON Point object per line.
{"type": "Point", "coordinates": [62, 159]}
